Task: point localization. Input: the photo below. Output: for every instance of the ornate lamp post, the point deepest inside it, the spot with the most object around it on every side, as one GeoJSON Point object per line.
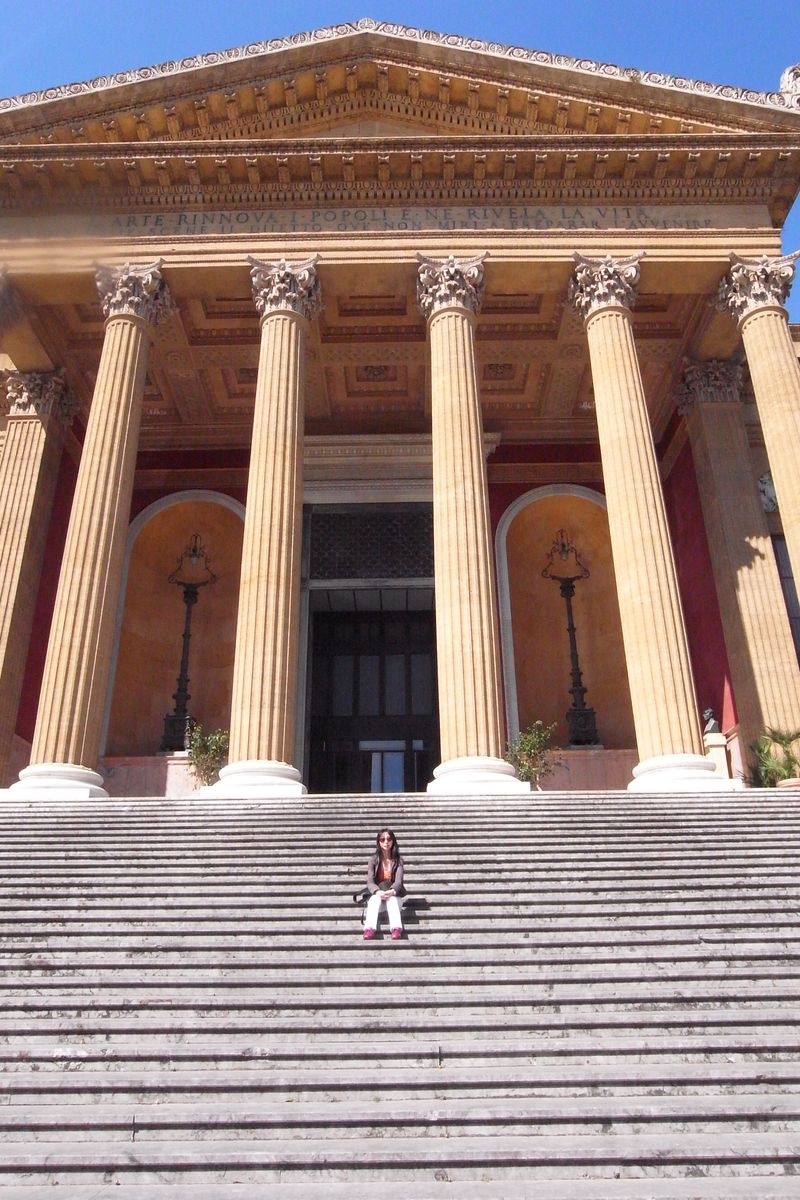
{"type": "Point", "coordinates": [191, 573]}
{"type": "Point", "coordinates": [565, 568]}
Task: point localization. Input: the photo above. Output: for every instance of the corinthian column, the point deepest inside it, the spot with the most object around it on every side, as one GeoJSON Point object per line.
{"type": "Point", "coordinates": [467, 648]}
{"type": "Point", "coordinates": [754, 292]}
{"type": "Point", "coordinates": [763, 664]}
{"type": "Point", "coordinates": [40, 410]}
{"type": "Point", "coordinates": [656, 651]}
{"type": "Point", "coordinates": [76, 673]}
{"type": "Point", "coordinates": [287, 297]}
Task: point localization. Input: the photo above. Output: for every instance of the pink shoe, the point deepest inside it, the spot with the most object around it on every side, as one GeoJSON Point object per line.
{"type": "Point", "coordinates": [368, 933]}
{"type": "Point", "coordinates": [396, 935]}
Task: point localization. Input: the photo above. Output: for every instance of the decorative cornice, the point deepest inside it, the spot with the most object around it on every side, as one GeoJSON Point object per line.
{"type": "Point", "coordinates": [286, 287]}
{"type": "Point", "coordinates": [40, 394]}
{"type": "Point", "coordinates": [714, 381]}
{"type": "Point", "coordinates": [130, 291]}
{"type": "Point", "coordinates": [449, 283]}
{"type": "Point", "coordinates": [603, 283]}
{"type": "Point", "coordinates": [450, 42]}
{"type": "Point", "coordinates": [754, 283]}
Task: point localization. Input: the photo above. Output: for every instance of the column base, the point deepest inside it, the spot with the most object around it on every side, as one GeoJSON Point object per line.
{"type": "Point", "coordinates": [76, 782]}
{"type": "Point", "coordinates": [255, 778]}
{"type": "Point", "coordinates": [680, 773]}
{"type": "Point", "coordinates": [476, 775]}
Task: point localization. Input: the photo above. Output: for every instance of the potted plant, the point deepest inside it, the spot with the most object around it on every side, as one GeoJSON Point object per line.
{"type": "Point", "coordinates": [528, 752]}
{"type": "Point", "coordinates": [776, 759]}
{"type": "Point", "coordinates": [207, 753]}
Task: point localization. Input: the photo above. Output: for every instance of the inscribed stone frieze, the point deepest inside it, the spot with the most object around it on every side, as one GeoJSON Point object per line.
{"type": "Point", "coordinates": [389, 219]}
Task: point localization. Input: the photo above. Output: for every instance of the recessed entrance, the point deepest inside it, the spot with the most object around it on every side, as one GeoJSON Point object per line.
{"type": "Point", "coordinates": [373, 723]}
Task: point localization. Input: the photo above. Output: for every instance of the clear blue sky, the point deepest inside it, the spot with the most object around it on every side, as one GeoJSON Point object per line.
{"type": "Point", "coordinates": [746, 43]}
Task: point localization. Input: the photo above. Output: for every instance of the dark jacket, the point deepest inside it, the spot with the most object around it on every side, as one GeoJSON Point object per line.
{"type": "Point", "coordinates": [397, 877]}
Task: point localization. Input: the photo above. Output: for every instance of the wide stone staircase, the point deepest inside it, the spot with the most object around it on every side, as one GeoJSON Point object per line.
{"type": "Point", "coordinates": [597, 999]}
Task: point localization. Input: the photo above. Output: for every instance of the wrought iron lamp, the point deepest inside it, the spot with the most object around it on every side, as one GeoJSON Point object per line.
{"type": "Point", "coordinates": [192, 573]}
{"type": "Point", "coordinates": [565, 568]}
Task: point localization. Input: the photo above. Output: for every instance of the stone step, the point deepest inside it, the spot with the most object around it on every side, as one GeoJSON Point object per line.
{"type": "Point", "coordinates": [507, 1156]}
{"type": "Point", "coordinates": [88, 1085]}
{"type": "Point", "coordinates": [404, 1117]}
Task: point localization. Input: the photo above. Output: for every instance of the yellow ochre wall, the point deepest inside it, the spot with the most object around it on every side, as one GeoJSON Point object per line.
{"type": "Point", "coordinates": [152, 627]}
{"type": "Point", "coordinates": [538, 612]}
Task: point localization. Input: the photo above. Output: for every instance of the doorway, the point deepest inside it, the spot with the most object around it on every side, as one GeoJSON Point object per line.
{"type": "Point", "coordinates": [373, 724]}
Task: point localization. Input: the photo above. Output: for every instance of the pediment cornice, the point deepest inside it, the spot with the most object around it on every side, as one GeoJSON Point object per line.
{"type": "Point", "coordinates": [418, 51]}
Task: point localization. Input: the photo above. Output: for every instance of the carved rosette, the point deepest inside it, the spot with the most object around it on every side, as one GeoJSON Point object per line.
{"type": "Point", "coordinates": [754, 283]}
{"type": "Point", "coordinates": [40, 394]}
{"type": "Point", "coordinates": [449, 283]}
{"type": "Point", "coordinates": [712, 382]}
{"type": "Point", "coordinates": [603, 283]}
{"type": "Point", "coordinates": [286, 287]}
{"type": "Point", "coordinates": [130, 291]}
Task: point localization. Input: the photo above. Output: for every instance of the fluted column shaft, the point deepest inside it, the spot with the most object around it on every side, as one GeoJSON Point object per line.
{"type": "Point", "coordinates": [40, 410]}
{"type": "Point", "coordinates": [656, 648]}
{"type": "Point", "coordinates": [265, 667]}
{"type": "Point", "coordinates": [761, 656]}
{"type": "Point", "coordinates": [78, 659]}
{"type": "Point", "coordinates": [466, 614]}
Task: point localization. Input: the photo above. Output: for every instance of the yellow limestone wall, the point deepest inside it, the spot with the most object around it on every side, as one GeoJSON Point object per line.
{"type": "Point", "coordinates": [541, 647]}
{"type": "Point", "coordinates": [152, 628]}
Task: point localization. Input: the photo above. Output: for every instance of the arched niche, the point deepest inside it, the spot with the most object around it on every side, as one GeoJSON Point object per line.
{"type": "Point", "coordinates": [150, 624]}
{"type": "Point", "coordinates": [536, 662]}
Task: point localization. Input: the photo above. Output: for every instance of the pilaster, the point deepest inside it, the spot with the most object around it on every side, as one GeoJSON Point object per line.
{"type": "Point", "coordinates": [76, 675]}
{"type": "Point", "coordinates": [656, 649]}
{"type": "Point", "coordinates": [763, 664]}
{"type": "Point", "coordinates": [287, 297]}
{"type": "Point", "coordinates": [754, 292]}
{"type": "Point", "coordinates": [40, 408]}
{"type": "Point", "coordinates": [467, 641]}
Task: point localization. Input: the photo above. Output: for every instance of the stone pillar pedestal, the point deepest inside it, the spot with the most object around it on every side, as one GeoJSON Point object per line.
{"type": "Point", "coordinates": [753, 293]}
{"type": "Point", "coordinates": [467, 645]}
{"type": "Point", "coordinates": [76, 675]}
{"type": "Point", "coordinates": [40, 410]}
{"type": "Point", "coordinates": [265, 666]}
{"type": "Point", "coordinates": [761, 655]}
{"type": "Point", "coordinates": [656, 651]}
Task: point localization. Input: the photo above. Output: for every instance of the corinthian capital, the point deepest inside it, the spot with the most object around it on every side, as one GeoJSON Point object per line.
{"type": "Point", "coordinates": [603, 283]}
{"type": "Point", "coordinates": [449, 283]}
{"type": "Point", "coordinates": [286, 287]}
{"type": "Point", "coordinates": [129, 291]}
{"type": "Point", "coordinates": [712, 382]}
{"type": "Point", "coordinates": [39, 394]}
{"type": "Point", "coordinates": [754, 283]}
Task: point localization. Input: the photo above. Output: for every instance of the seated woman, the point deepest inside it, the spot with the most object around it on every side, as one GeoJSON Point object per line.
{"type": "Point", "coordinates": [385, 884]}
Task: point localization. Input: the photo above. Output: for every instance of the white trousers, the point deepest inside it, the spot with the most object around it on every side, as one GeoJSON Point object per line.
{"type": "Point", "coordinates": [374, 905]}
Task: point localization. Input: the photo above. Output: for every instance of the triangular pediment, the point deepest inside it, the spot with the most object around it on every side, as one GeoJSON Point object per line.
{"type": "Point", "coordinates": [390, 81]}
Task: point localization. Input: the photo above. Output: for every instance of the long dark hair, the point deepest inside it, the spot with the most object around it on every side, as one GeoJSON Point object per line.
{"type": "Point", "coordinates": [395, 851]}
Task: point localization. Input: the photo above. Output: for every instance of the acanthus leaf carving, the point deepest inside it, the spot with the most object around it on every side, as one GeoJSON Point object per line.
{"type": "Point", "coordinates": [286, 287]}
{"type": "Point", "coordinates": [603, 283]}
{"type": "Point", "coordinates": [133, 291]}
{"type": "Point", "coordinates": [449, 283]}
{"type": "Point", "coordinates": [754, 283]}
{"type": "Point", "coordinates": [40, 394]}
{"type": "Point", "coordinates": [714, 381]}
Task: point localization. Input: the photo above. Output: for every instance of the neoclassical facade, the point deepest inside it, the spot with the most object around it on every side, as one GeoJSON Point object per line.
{"type": "Point", "coordinates": [464, 374]}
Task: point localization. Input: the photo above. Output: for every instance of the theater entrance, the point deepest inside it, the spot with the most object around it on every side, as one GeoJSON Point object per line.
{"type": "Point", "coordinates": [372, 717]}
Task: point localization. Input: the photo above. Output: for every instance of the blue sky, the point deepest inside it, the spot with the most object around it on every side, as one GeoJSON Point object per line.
{"type": "Point", "coordinates": [740, 42]}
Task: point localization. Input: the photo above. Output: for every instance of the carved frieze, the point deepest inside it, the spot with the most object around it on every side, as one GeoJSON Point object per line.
{"type": "Point", "coordinates": [40, 394]}
{"type": "Point", "coordinates": [603, 283]}
{"type": "Point", "coordinates": [131, 291]}
{"type": "Point", "coordinates": [711, 382]}
{"type": "Point", "coordinates": [449, 283]}
{"type": "Point", "coordinates": [286, 287]}
{"type": "Point", "coordinates": [754, 283]}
